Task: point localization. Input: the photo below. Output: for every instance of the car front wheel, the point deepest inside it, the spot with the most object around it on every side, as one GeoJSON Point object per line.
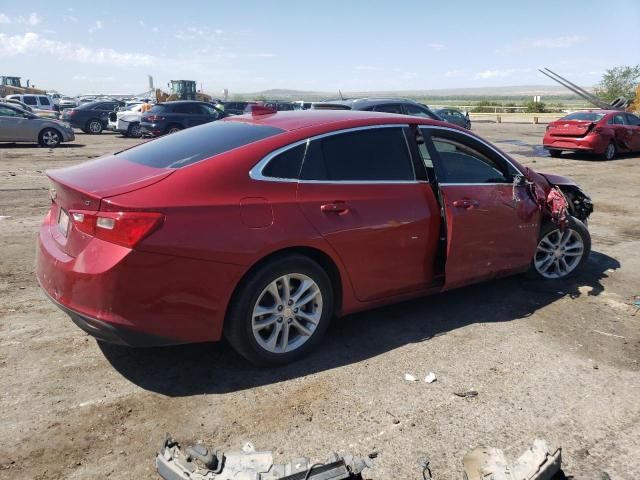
{"type": "Point", "coordinates": [281, 312]}
{"type": "Point", "coordinates": [560, 254]}
{"type": "Point", "coordinates": [49, 138]}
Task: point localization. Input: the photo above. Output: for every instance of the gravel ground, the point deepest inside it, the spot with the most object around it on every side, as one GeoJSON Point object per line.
{"type": "Point", "coordinates": [552, 360]}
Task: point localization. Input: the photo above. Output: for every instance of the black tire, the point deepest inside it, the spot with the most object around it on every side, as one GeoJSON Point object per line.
{"type": "Point", "coordinates": [94, 126]}
{"type": "Point", "coordinates": [550, 229]}
{"type": "Point", "coordinates": [238, 327]}
{"type": "Point", "coordinates": [134, 131]}
{"type": "Point", "coordinates": [49, 138]}
{"type": "Point", "coordinates": [555, 153]}
{"type": "Point", "coordinates": [610, 152]}
{"type": "Point", "coordinates": [173, 129]}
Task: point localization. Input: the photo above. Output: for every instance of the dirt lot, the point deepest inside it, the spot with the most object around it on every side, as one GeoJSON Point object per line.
{"type": "Point", "coordinates": [557, 361]}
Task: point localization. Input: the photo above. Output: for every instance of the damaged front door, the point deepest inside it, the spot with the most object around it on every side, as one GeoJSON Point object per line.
{"type": "Point", "coordinates": [492, 223]}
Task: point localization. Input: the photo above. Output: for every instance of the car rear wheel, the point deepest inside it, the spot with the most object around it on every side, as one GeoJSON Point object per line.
{"type": "Point", "coordinates": [134, 130]}
{"type": "Point", "coordinates": [555, 153]}
{"type": "Point", "coordinates": [560, 254]}
{"type": "Point", "coordinates": [50, 138]}
{"type": "Point", "coordinates": [610, 151]}
{"type": "Point", "coordinates": [281, 312]}
{"type": "Point", "coordinates": [173, 129]}
{"type": "Point", "coordinates": [94, 126]}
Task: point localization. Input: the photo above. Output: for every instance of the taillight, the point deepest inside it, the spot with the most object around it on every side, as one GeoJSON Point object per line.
{"type": "Point", "coordinates": [71, 112]}
{"type": "Point", "coordinates": [123, 228]}
{"type": "Point", "coordinates": [154, 118]}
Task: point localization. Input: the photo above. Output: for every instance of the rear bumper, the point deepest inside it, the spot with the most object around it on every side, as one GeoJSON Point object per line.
{"type": "Point", "coordinates": [136, 298]}
{"type": "Point", "coordinates": [588, 144]}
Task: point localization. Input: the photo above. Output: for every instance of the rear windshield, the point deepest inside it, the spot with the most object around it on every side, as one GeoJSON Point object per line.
{"type": "Point", "coordinates": [159, 109]}
{"type": "Point", "coordinates": [192, 145]}
{"type": "Point", "coordinates": [584, 116]}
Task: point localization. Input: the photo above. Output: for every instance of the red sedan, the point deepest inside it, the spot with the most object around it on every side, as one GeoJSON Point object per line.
{"type": "Point", "coordinates": [602, 132]}
{"type": "Point", "coordinates": [263, 227]}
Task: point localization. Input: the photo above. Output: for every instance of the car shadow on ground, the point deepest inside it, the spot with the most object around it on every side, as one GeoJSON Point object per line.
{"type": "Point", "coordinates": [215, 368]}
{"type": "Point", "coordinates": [590, 157]}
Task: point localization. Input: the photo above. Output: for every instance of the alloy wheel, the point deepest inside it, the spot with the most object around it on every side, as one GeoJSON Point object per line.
{"type": "Point", "coordinates": [558, 253]}
{"type": "Point", "coordinates": [51, 138]}
{"type": "Point", "coordinates": [610, 152]}
{"type": "Point", "coordinates": [287, 313]}
{"type": "Point", "coordinates": [95, 127]}
{"type": "Point", "coordinates": [135, 131]}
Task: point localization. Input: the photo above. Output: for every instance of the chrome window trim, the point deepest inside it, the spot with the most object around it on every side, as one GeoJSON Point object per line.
{"type": "Point", "coordinates": [477, 139]}
{"type": "Point", "coordinates": [256, 172]}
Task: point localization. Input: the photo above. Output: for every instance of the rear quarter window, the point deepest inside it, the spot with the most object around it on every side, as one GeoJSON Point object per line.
{"type": "Point", "coordinates": [196, 144]}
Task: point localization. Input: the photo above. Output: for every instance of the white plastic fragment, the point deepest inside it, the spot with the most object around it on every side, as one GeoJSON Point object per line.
{"type": "Point", "coordinates": [410, 378]}
{"type": "Point", "coordinates": [430, 378]}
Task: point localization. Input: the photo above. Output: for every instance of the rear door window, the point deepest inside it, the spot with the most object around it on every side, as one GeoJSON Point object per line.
{"type": "Point", "coordinates": [376, 154]}
{"type": "Point", "coordinates": [209, 110]}
{"type": "Point", "coordinates": [633, 120]}
{"type": "Point", "coordinates": [8, 112]}
{"type": "Point", "coordinates": [390, 108]}
{"type": "Point", "coordinates": [44, 101]}
{"type": "Point", "coordinates": [287, 164]}
{"type": "Point", "coordinates": [30, 100]}
{"type": "Point", "coordinates": [416, 111]}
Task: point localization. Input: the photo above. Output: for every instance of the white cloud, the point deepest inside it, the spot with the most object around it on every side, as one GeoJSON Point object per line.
{"type": "Point", "coordinates": [454, 73]}
{"type": "Point", "coordinates": [32, 44]}
{"type": "Point", "coordinates": [262, 55]}
{"type": "Point", "coordinates": [69, 19]}
{"type": "Point", "coordinates": [366, 68]}
{"type": "Point", "coordinates": [96, 27]}
{"type": "Point", "coordinates": [489, 74]}
{"type": "Point", "coordinates": [141, 23]}
{"type": "Point", "coordinates": [4, 18]}
{"type": "Point", "coordinates": [219, 32]}
{"type": "Point", "coordinates": [155, 29]}
{"type": "Point", "coordinates": [436, 46]}
{"type": "Point", "coordinates": [557, 42]}
{"type": "Point", "coordinates": [34, 19]}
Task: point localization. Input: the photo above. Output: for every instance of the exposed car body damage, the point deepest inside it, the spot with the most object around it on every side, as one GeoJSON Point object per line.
{"type": "Point", "coordinates": [579, 203]}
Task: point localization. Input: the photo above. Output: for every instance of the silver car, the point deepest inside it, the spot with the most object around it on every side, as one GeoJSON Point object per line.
{"type": "Point", "coordinates": [17, 125]}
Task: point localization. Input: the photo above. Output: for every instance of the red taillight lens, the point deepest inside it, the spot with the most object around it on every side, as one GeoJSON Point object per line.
{"type": "Point", "coordinates": [154, 118]}
{"type": "Point", "coordinates": [123, 228]}
{"type": "Point", "coordinates": [71, 112]}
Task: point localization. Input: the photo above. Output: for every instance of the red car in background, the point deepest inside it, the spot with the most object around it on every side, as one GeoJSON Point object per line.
{"type": "Point", "coordinates": [263, 227]}
{"type": "Point", "coordinates": [601, 132]}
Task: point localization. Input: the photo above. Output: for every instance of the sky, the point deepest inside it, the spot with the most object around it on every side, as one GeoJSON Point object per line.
{"type": "Point", "coordinates": [250, 46]}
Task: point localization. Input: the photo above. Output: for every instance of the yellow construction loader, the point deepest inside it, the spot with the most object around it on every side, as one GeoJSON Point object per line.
{"type": "Point", "coordinates": [12, 86]}
{"type": "Point", "coordinates": [182, 90]}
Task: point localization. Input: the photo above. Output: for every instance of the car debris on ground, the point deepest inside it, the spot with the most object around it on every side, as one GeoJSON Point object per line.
{"type": "Point", "coordinates": [538, 462]}
{"type": "Point", "coordinates": [201, 463]}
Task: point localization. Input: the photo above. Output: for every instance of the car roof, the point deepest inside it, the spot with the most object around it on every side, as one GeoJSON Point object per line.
{"type": "Point", "coordinates": [330, 119]}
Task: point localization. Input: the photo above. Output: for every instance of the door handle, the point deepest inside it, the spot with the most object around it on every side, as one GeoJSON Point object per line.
{"type": "Point", "coordinates": [465, 203]}
{"type": "Point", "coordinates": [340, 208]}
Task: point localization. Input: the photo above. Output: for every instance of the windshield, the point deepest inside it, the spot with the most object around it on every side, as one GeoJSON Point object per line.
{"type": "Point", "coordinates": [198, 143]}
{"type": "Point", "coordinates": [584, 116]}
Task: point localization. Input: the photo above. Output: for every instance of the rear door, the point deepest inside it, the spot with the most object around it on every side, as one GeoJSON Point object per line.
{"type": "Point", "coordinates": [634, 124]}
{"type": "Point", "coordinates": [359, 190]}
{"type": "Point", "coordinates": [102, 111]}
{"type": "Point", "coordinates": [492, 224]}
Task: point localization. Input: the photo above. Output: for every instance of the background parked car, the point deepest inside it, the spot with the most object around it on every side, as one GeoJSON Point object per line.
{"type": "Point", "coordinates": [453, 115]}
{"type": "Point", "coordinates": [602, 132]}
{"type": "Point", "coordinates": [67, 102]}
{"type": "Point", "coordinates": [43, 102]}
{"type": "Point", "coordinates": [17, 125]}
{"type": "Point", "coordinates": [126, 120]}
{"type": "Point", "coordinates": [36, 111]}
{"type": "Point", "coordinates": [171, 117]}
{"type": "Point", "coordinates": [280, 106]}
{"type": "Point", "coordinates": [402, 106]}
{"type": "Point", "coordinates": [92, 117]}
{"type": "Point", "coordinates": [236, 108]}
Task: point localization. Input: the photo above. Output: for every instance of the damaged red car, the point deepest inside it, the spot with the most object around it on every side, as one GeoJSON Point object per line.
{"type": "Point", "coordinates": [262, 228]}
{"type": "Point", "coordinates": [601, 132]}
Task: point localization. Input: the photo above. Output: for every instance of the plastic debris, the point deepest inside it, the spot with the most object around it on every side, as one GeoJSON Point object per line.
{"type": "Point", "coordinates": [430, 378]}
{"type": "Point", "coordinates": [490, 463]}
{"type": "Point", "coordinates": [410, 378]}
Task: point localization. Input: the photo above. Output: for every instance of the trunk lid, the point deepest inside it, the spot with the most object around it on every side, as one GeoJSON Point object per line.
{"type": "Point", "coordinates": [570, 128]}
{"type": "Point", "coordinates": [82, 187]}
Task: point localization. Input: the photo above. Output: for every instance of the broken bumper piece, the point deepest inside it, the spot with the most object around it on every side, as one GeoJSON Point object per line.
{"type": "Point", "coordinates": [200, 463]}
{"type": "Point", "coordinates": [489, 463]}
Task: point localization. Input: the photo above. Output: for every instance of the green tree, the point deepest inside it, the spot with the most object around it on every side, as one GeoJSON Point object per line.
{"type": "Point", "coordinates": [619, 81]}
{"type": "Point", "coordinates": [534, 107]}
